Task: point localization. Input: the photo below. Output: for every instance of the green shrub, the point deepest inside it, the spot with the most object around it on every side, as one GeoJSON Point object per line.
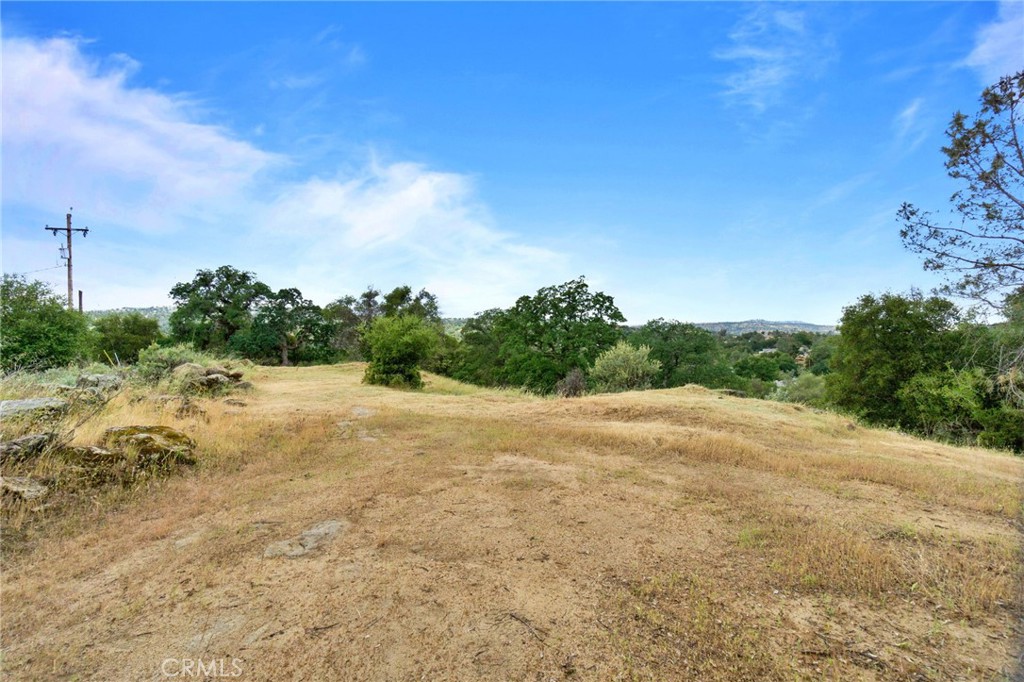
{"type": "Point", "coordinates": [156, 362]}
{"type": "Point", "coordinates": [118, 337]}
{"type": "Point", "coordinates": [624, 368]}
{"type": "Point", "coordinates": [36, 330]}
{"type": "Point", "coordinates": [807, 389]}
{"type": "Point", "coordinates": [398, 347]}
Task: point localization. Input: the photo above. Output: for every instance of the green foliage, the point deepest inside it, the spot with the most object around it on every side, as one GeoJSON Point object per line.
{"type": "Point", "coordinates": [118, 337]}
{"type": "Point", "coordinates": [36, 330]}
{"type": "Point", "coordinates": [350, 317]}
{"type": "Point", "coordinates": [157, 362]}
{"type": "Point", "coordinates": [982, 251]}
{"type": "Point", "coordinates": [820, 360]}
{"type": "Point", "coordinates": [764, 366]}
{"type": "Point", "coordinates": [807, 389]}
{"type": "Point", "coordinates": [687, 354]}
{"type": "Point", "coordinates": [962, 406]}
{"type": "Point", "coordinates": [215, 305]}
{"type": "Point", "coordinates": [543, 337]}
{"type": "Point", "coordinates": [884, 342]}
{"type": "Point", "coordinates": [397, 348]}
{"type": "Point", "coordinates": [478, 359]}
{"type": "Point", "coordinates": [345, 320]}
{"type": "Point", "coordinates": [943, 403]}
{"type": "Point", "coordinates": [400, 301]}
{"type": "Point", "coordinates": [287, 327]}
{"type": "Point", "coordinates": [624, 368]}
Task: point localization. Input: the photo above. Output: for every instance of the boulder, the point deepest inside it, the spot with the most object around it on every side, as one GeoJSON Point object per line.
{"type": "Point", "coordinates": [91, 456]}
{"type": "Point", "coordinates": [157, 446]}
{"type": "Point", "coordinates": [104, 382]}
{"type": "Point", "coordinates": [188, 368]}
{"type": "Point", "coordinates": [22, 486]}
{"type": "Point", "coordinates": [20, 449]}
{"type": "Point", "coordinates": [196, 378]}
{"type": "Point", "coordinates": [214, 381]}
{"type": "Point", "coordinates": [33, 408]}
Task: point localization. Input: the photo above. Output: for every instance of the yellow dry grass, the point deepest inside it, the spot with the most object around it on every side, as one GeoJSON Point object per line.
{"type": "Point", "coordinates": [665, 535]}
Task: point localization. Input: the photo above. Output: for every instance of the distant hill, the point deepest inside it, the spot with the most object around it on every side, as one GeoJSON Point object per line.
{"type": "Point", "coordinates": [453, 325]}
{"type": "Point", "coordinates": [736, 328]}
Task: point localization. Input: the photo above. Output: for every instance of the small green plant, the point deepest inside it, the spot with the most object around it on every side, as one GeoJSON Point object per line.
{"type": "Point", "coordinates": [624, 368]}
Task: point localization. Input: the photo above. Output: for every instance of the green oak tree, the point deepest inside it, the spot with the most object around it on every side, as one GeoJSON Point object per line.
{"type": "Point", "coordinates": [215, 305]}
{"type": "Point", "coordinates": [883, 343]}
{"type": "Point", "coordinates": [561, 328]}
{"type": "Point", "coordinates": [118, 337]}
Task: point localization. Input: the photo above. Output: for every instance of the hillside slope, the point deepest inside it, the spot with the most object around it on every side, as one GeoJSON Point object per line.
{"type": "Point", "coordinates": [461, 533]}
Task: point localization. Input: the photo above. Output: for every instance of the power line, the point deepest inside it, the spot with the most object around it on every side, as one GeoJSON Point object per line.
{"type": "Point", "coordinates": [29, 272]}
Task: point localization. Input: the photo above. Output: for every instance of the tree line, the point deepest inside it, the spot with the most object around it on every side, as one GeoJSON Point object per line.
{"type": "Point", "coordinates": [909, 361]}
{"type": "Point", "coordinates": [902, 360]}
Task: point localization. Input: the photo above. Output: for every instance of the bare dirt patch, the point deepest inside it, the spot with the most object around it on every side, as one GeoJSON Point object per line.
{"type": "Point", "coordinates": [487, 535]}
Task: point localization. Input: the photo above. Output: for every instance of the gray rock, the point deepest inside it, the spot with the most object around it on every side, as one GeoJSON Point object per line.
{"type": "Point", "coordinates": [24, 487]}
{"type": "Point", "coordinates": [106, 382]}
{"type": "Point", "coordinates": [155, 445]}
{"type": "Point", "coordinates": [308, 541]}
{"type": "Point", "coordinates": [91, 456]}
{"type": "Point", "coordinates": [20, 449]}
{"type": "Point", "coordinates": [33, 408]}
{"type": "Point", "coordinates": [187, 369]}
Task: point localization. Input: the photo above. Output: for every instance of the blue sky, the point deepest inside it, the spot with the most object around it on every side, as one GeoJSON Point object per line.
{"type": "Point", "coordinates": [697, 161]}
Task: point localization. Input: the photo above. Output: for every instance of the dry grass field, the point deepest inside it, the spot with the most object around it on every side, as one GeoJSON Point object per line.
{"type": "Point", "coordinates": [486, 535]}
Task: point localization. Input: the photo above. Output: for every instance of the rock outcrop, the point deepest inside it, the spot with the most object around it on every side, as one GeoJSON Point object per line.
{"type": "Point", "coordinates": [33, 408]}
{"type": "Point", "coordinates": [155, 446]}
{"type": "Point", "coordinates": [20, 449]}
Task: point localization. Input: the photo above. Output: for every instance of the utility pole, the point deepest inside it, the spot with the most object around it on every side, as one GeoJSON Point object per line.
{"type": "Point", "coordinates": [67, 230]}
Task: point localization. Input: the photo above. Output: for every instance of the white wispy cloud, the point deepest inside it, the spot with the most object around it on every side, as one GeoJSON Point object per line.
{"type": "Point", "coordinates": [352, 54]}
{"type": "Point", "coordinates": [999, 46]}
{"type": "Point", "coordinates": [401, 217]}
{"type": "Point", "coordinates": [75, 131]}
{"type": "Point", "coordinates": [773, 48]}
{"type": "Point", "coordinates": [187, 194]}
{"type": "Point", "coordinates": [909, 130]}
{"type": "Point", "coordinates": [297, 82]}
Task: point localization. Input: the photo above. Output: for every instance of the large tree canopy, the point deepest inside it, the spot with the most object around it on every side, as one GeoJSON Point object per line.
{"type": "Point", "coordinates": [289, 327]}
{"type": "Point", "coordinates": [883, 343]}
{"type": "Point", "coordinates": [687, 353]}
{"type": "Point", "coordinates": [982, 252]}
{"type": "Point", "coordinates": [561, 328]}
{"type": "Point", "coordinates": [215, 305]}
